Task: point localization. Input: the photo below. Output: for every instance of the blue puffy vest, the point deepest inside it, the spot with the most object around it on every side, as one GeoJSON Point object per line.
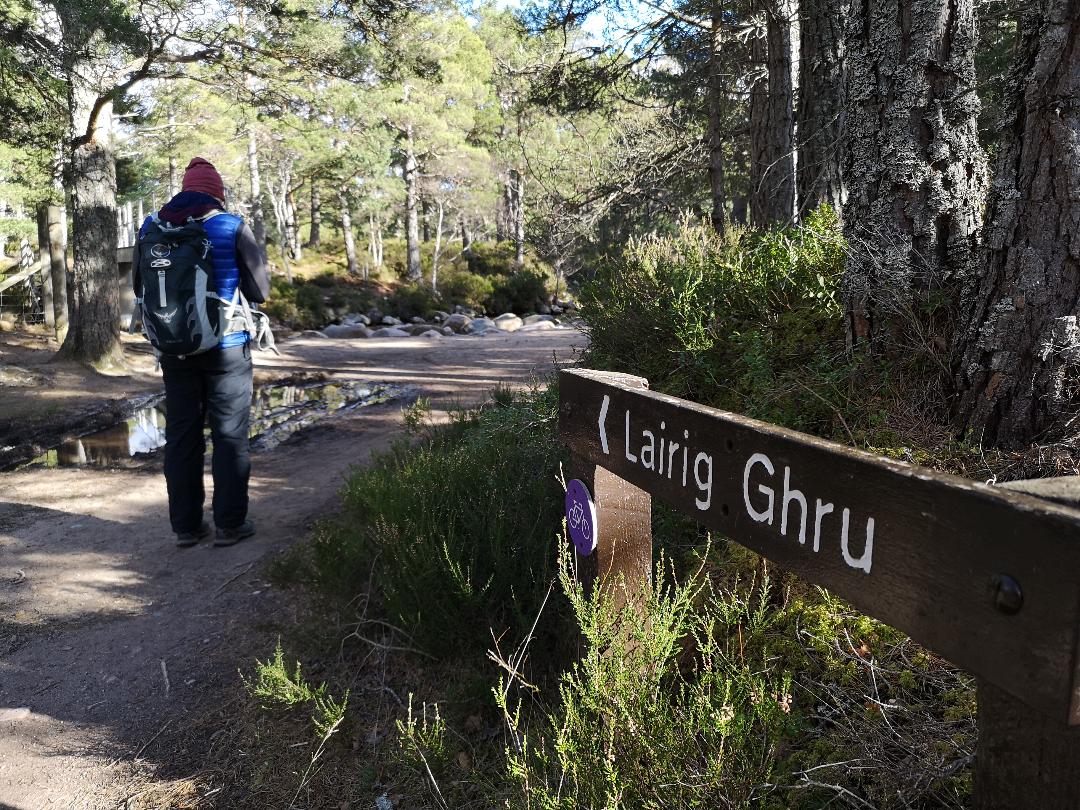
{"type": "Point", "coordinates": [222, 229]}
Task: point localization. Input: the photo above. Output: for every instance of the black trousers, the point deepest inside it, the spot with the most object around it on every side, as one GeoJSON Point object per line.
{"type": "Point", "coordinates": [217, 384]}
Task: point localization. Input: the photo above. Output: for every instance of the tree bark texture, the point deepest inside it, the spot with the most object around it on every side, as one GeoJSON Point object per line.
{"type": "Point", "coordinates": [413, 269]}
{"type": "Point", "coordinates": [347, 232]}
{"type": "Point", "coordinates": [1018, 348]}
{"type": "Point", "coordinates": [279, 201]}
{"type": "Point", "coordinates": [504, 216]}
{"type": "Point", "coordinates": [46, 266]}
{"type": "Point", "coordinates": [715, 101]}
{"type": "Point", "coordinates": [438, 248]}
{"type": "Point", "coordinates": [316, 216]}
{"type": "Point", "coordinates": [292, 221]}
{"type": "Point", "coordinates": [466, 244]}
{"type": "Point", "coordinates": [375, 241]}
{"type": "Point", "coordinates": [94, 333]}
{"type": "Point", "coordinates": [258, 222]}
{"type": "Point", "coordinates": [916, 175]}
{"type": "Point", "coordinates": [820, 116]}
{"type": "Point", "coordinates": [59, 268]}
{"type": "Point", "coordinates": [425, 219]}
{"type": "Point", "coordinates": [772, 120]}
{"type": "Point", "coordinates": [517, 186]}
{"type": "Point", "coordinates": [174, 183]}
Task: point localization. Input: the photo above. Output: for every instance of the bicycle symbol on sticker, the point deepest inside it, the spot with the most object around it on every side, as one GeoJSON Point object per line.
{"type": "Point", "coordinates": [580, 517]}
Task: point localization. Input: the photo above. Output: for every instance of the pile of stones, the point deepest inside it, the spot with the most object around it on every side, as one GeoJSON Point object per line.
{"type": "Point", "coordinates": [441, 324]}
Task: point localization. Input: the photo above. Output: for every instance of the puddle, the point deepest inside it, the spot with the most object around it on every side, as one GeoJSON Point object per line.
{"type": "Point", "coordinates": [277, 412]}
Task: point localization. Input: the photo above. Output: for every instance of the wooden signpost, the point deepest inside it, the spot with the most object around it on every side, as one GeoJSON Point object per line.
{"type": "Point", "coordinates": [987, 577]}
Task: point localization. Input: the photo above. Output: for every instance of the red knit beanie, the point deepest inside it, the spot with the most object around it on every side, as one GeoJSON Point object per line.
{"type": "Point", "coordinates": [201, 175]}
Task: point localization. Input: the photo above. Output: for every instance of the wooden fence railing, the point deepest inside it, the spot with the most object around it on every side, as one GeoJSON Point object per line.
{"type": "Point", "coordinates": [985, 576]}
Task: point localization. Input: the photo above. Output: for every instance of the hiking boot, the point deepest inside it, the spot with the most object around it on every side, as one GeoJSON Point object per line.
{"type": "Point", "coordinates": [188, 539]}
{"type": "Point", "coordinates": [228, 537]}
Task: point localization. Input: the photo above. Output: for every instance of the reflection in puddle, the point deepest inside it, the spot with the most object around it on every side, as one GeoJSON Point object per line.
{"type": "Point", "coordinates": [277, 412]}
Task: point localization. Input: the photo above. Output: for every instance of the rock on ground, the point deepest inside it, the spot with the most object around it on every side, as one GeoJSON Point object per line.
{"type": "Point", "coordinates": [509, 322]}
{"type": "Point", "coordinates": [458, 322]}
{"type": "Point", "coordinates": [346, 332]}
{"type": "Point", "coordinates": [480, 325]}
{"type": "Point", "coordinates": [538, 326]}
{"type": "Point", "coordinates": [538, 319]}
{"type": "Point", "coordinates": [389, 331]}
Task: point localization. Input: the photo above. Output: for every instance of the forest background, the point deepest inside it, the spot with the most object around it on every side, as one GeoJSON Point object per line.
{"type": "Point", "coordinates": [855, 219]}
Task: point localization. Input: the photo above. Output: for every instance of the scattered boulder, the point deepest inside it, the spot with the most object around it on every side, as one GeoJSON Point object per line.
{"type": "Point", "coordinates": [416, 328]}
{"type": "Point", "coordinates": [458, 322]}
{"type": "Point", "coordinates": [556, 310]}
{"type": "Point", "coordinates": [539, 326]}
{"type": "Point", "coordinates": [356, 317]}
{"type": "Point", "coordinates": [432, 334]}
{"type": "Point", "coordinates": [440, 316]}
{"type": "Point", "coordinates": [374, 315]}
{"type": "Point", "coordinates": [390, 331]}
{"type": "Point", "coordinates": [347, 332]}
{"type": "Point", "coordinates": [390, 320]}
{"type": "Point", "coordinates": [508, 322]}
{"type": "Point", "coordinates": [312, 333]}
{"type": "Point", "coordinates": [446, 330]}
{"type": "Point", "coordinates": [538, 319]}
{"type": "Point", "coordinates": [7, 326]}
{"type": "Point", "coordinates": [480, 325]}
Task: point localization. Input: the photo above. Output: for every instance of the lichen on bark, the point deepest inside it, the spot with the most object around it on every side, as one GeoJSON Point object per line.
{"type": "Point", "coordinates": [1017, 352]}
{"type": "Point", "coordinates": [916, 174]}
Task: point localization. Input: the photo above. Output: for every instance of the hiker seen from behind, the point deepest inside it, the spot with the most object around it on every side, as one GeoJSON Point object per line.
{"type": "Point", "coordinates": [198, 271]}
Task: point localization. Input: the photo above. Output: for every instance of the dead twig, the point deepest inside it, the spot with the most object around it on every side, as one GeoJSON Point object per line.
{"type": "Point", "coordinates": [231, 580]}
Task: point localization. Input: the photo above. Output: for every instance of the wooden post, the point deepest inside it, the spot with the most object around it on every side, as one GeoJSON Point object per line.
{"type": "Point", "coordinates": [624, 550]}
{"type": "Point", "coordinates": [1024, 758]}
{"type": "Point", "coordinates": [623, 556]}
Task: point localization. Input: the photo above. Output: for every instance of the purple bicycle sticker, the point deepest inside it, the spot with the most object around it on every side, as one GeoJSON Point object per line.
{"type": "Point", "coordinates": [581, 517]}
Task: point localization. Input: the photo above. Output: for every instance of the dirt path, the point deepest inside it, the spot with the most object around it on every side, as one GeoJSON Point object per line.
{"type": "Point", "coordinates": [109, 634]}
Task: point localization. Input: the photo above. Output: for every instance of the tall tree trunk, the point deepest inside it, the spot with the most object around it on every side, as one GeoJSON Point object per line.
{"type": "Point", "coordinates": [316, 215]}
{"type": "Point", "coordinates": [438, 247]}
{"type": "Point", "coordinates": [347, 231]}
{"type": "Point", "coordinates": [425, 219]}
{"type": "Point", "coordinates": [916, 176]}
{"type": "Point", "coordinates": [255, 209]}
{"type": "Point", "coordinates": [94, 333]}
{"type": "Point", "coordinates": [412, 226]}
{"type": "Point", "coordinates": [46, 266]}
{"type": "Point", "coordinates": [279, 204]}
{"type": "Point", "coordinates": [772, 122]}
{"type": "Point", "coordinates": [820, 116]}
{"type": "Point", "coordinates": [1018, 347]}
{"type": "Point", "coordinates": [292, 225]}
{"type": "Point", "coordinates": [504, 215]}
{"type": "Point", "coordinates": [375, 241]}
{"type": "Point", "coordinates": [57, 215]}
{"type": "Point", "coordinates": [174, 183]}
{"type": "Point", "coordinates": [715, 100]}
{"type": "Point", "coordinates": [466, 244]}
{"type": "Point", "coordinates": [517, 184]}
